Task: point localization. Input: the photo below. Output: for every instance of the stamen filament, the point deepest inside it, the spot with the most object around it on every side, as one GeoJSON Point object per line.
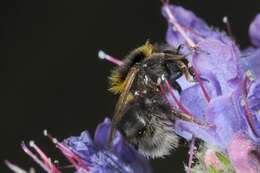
{"type": "Point", "coordinates": [103, 55]}
{"type": "Point", "coordinates": [178, 28]}
{"type": "Point", "coordinates": [164, 94]}
{"type": "Point", "coordinates": [181, 107]}
{"type": "Point", "coordinates": [15, 168]}
{"type": "Point", "coordinates": [203, 89]}
{"type": "Point", "coordinates": [179, 104]}
{"type": "Point", "coordinates": [77, 162]}
{"type": "Point", "coordinates": [35, 158]}
{"type": "Point", "coordinates": [44, 158]}
{"type": "Point", "coordinates": [189, 41]}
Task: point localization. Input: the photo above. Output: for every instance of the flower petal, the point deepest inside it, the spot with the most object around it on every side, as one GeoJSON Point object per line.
{"type": "Point", "coordinates": [83, 144]}
{"type": "Point", "coordinates": [244, 154]}
{"type": "Point", "coordinates": [254, 106]}
{"type": "Point", "coordinates": [122, 158]}
{"type": "Point", "coordinates": [223, 111]}
{"type": "Point", "coordinates": [250, 61]}
{"type": "Point", "coordinates": [99, 160]}
{"type": "Point", "coordinates": [102, 134]}
{"type": "Point", "coordinates": [194, 27]}
{"type": "Point", "coordinates": [254, 29]}
{"type": "Point", "coordinates": [219, 60]}
{"type": "Point", "coordinates": [193, 99]}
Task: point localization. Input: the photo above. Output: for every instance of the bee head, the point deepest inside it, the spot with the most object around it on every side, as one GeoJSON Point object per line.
{"type": "Point", "coordinates": [146, 126]}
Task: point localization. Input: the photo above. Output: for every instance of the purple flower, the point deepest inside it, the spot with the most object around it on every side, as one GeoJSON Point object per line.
{"type": "Point", "coordinates": [223, 100]}
{"type": "Point", "coordinates": [194, 27]}
{"type": "Point", "coordinates": [122, 158]}
{"type": "Point", "coordinates": [226, 93]}
{"type": "Point", "coordinates": [91, 156]}
{"type": "Point", "coordinates": [254, 31]}
{"type": "Point", "coordinates": [244, 154]}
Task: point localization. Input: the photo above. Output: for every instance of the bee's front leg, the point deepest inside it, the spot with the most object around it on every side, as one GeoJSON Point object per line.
{"type": "Point", "coordinates": [190, 118]}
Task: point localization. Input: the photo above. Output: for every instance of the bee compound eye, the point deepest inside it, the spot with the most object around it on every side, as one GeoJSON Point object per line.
{"type": "Point", "coordinates": [141, 132]}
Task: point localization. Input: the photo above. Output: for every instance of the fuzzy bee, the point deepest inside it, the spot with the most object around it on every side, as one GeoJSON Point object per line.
{"type": "Point", "coordinates": [142, 114]}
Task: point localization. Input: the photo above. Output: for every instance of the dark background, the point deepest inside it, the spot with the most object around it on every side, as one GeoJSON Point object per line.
{"type": "Point", "coordinates": [51, 78]}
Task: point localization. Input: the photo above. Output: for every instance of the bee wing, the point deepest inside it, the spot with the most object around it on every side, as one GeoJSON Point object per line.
{"type": "Point", "coordinates": [122, 101]}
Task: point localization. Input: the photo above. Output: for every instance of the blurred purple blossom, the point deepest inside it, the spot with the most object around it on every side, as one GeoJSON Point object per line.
{"type": "Point", "coordinates": [231, 79]}
{"type": "Point", "coordinates": [254, 31]}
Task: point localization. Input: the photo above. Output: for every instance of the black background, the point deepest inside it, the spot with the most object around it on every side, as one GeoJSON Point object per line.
{"type": "Point", "coordinates": [51, 78]}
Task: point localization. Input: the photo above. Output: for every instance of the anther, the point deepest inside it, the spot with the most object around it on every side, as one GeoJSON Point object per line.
{"type": "Point", "coordinates": [250, 75]}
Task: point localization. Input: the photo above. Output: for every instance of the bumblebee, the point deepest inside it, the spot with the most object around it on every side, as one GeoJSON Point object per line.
{"type": "Point", "coordinates": [142, 114]}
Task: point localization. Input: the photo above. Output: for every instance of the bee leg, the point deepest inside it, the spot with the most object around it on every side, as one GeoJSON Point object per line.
{"type": "Point", "coordinates": [189, 118]}
{"type": "Point", "coordinates": [176, 86]}
{"type": "Point", "coordinates": [182, 116]}
{"type": "Point", "coordinates": [177, 57]}
{"type": "Point", "coordinates": [191, 71]}
{"type": "Point", "coordinates": [184, 66]}
{"type": "Point", "coordinates": [186, 71]}
{"type": "Point", "coordinates": [179, 48]}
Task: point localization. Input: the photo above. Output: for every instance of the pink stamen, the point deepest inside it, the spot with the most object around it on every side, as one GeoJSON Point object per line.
{"type": "Point", "coordinates": [164, 94]}
{"type": "Point", "coordinates": [192, 31]}
{"type": "Point", "coordinates": [177, 27]}
{"type": "Point", "coordinates": [203, 89]}
{"type": "Point", "coordinates": [180, 105]}
{"type": "Point", "coordinates": [189, 41]}
{"type": "Point", "coordinates": [77, 162]}
{"type": "Point", "coordinates": [44, 158]}
{"type": "Point", "coordinates": [103, 55]}
{"type": "Point", "coordinates": [16, 168]}
{"type": "Point", "coordinates": [38, 161]}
